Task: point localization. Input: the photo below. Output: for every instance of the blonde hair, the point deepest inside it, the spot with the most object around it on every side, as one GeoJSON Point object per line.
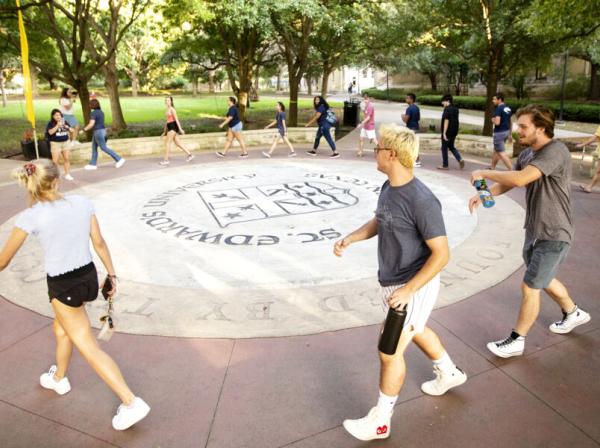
{"type": "Point", "coordinates": [403, 141]}
{"type": "Point", "coordinates": [39, 179]}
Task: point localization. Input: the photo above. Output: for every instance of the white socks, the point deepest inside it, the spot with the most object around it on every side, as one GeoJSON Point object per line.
{"type": "Point", "coordinates": [385, 404]}
{"type": "Point", "coordinates": [445, 363]}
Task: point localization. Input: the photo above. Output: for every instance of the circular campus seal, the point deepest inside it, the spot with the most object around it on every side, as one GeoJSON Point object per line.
{"type": "Point", "coordinates": [245, 249]}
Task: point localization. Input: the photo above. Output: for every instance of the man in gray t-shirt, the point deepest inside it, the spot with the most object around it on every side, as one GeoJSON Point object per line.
{"type": "Point", "coordinates": [544, 168]}
{"type": "Point", "coordinates": [412, 250]}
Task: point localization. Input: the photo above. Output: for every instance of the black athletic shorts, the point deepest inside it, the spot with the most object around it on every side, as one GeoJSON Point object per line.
{"type": "Point", "coordinates": [172, 126]}
{"type": "Point", "coordinates": [74, 287]}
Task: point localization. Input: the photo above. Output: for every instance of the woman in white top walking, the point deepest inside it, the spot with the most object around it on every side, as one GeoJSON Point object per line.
{"type": "Point", "coordinates": [66, 108]}
{"type": "Point", "coordinates": [72, 279]}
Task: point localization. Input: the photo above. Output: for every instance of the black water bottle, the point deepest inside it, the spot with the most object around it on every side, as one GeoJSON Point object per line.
{"type": "Point", "coordinates": [394, 322]}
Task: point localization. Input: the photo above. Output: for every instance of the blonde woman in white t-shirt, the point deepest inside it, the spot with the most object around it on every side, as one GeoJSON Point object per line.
{"type": "Point", "coordinates": [72, 279]}
{"type": "Point", "coordinates": [66, 108]}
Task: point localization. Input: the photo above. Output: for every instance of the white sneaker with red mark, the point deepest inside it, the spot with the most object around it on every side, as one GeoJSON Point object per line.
{"type": "Point", "coordinates": [373, 426]}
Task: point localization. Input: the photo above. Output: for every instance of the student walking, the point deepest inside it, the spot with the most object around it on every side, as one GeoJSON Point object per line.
{"type": "Point", "coordinates": [367, 126]}
{"type": "Point", "coordinates": [234, 129]}
{"type": "Point", "coordinates": [72, 280]}
{"type": "Point", "coordinates": [449, 132]}
{"type": "Point", "coordinates": [594, 138]}
{"type": "Point", "coordinates": [281, 130]}
{"type": "Point", "coordinates": [412, 117]}
{"type": "Point", "coordinates": [323, 119]}
{"type": "Point", "coordinates": [502, 120]}
{"type": "Point", "coordinates": [172, 128]}
{"type": "Point", "coordinates": [57, 133]}
{"type": "Point", "coordinates": [99, 137]}
{"type": "Point", "coordinates": [412, 251]}
{"type": "Point", "coordinates": [67, 98]}
{"type": "Point", "coordinates": [544, 169]}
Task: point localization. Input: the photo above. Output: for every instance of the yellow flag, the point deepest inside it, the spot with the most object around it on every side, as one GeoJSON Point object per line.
{"type": "Point", "coordinates": [26, 75]}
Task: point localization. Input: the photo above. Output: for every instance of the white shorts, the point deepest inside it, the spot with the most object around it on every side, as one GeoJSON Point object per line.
{"type": "Point", "coordinates": [370, 134]}
{"type": "Point", "coordinates": [420, 305]}
{"type": "Point", "coordinates": [59, 146]}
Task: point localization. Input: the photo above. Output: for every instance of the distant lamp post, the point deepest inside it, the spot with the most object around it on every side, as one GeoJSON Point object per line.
{"type": "Point", "coordinates": [562, 88]}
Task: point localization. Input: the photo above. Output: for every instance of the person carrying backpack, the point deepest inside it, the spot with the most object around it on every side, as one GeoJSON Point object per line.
{"type": "Point", "coordinates": [325, 118]}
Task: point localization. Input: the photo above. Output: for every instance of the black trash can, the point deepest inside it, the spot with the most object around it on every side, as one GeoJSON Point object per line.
{"type": "Point", "coordinates": [28, 149]}
{"type": "Point", "coordinates": [351, 113]}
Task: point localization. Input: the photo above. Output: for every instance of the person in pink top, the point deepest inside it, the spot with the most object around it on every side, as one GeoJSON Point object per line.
{"type": "Point", "coordinates": [367, 126]}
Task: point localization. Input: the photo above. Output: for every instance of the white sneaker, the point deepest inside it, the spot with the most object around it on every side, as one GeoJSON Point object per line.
{"type": "Point", "coordinates": [266, 154]}
{"type": "Point", "coordinates": [90, 167]}
{"type": "Point", "coordinates": [120, 163]}
{"type": "Point", "coordinates": [164, 162]}
{"type": "Point", "coordinates": [48, 381]}
{"type": "Point", "coordinates": [220, 154]}
{"type": "Point", "coordinates": [371, 427]}
{"type": "Point", "coordinates": [507, 347]}
{"type": "Point", "coordinates": [444, 381]}
{"type": "Point", "coordinates": [189, 158]}
{"type": "Point", "coordinates": [292, 154]}
{"type": "Point", "coordinates": [417, 164]}
{"type": "Point", "coordinates": [127, 416]}
{"type": "Point", "coordinates": [570, 321]}
{"type": "Point", "coordinates": [69, 177]}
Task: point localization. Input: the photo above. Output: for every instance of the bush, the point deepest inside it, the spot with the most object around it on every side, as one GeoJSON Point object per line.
{"type": "Point", "coordinates": [572, 111]}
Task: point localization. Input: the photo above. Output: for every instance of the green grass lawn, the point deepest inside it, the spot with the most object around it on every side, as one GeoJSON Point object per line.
{"type": "Point", "coordinates": [145, 116]}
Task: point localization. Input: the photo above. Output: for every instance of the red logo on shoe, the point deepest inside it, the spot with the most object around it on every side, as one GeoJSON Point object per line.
{"type": "Point", "coordinates": [381, 430]}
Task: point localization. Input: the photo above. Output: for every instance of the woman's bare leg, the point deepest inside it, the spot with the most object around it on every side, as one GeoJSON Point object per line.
{"type": "Point", "coordinates": [64, 350]}
{"type": "Point", "coordinates": [76, 325]}
{"type": "Point", "coordinates": [180, 146]}
{"type": "Point", "coordinates": [67, 161]}
{"type": "Point", "coordinates": [168, 143]}
{"type": "Point", "coordinates": [238, 136]}
{"type": "Point", "coordinates": [285, 139]}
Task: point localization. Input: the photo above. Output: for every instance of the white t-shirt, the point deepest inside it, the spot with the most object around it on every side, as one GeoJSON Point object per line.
{"type": "Point", "coordinates": [63, 228]}
{"type": "Point", "coordinates": [64, 102]}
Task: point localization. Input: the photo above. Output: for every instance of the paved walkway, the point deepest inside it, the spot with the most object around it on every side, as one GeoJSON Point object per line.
{"type": "Point", "coordinates": [391, 111]}
{"type": "Point", "coordinates": [295, 391]}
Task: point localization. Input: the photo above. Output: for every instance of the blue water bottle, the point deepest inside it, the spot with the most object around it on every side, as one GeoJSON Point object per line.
{"type": "Point", "coordinates": [484, 193]}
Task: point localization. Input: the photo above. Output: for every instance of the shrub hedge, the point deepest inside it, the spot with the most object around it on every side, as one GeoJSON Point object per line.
{"type": "Point", "coordinates": [572, 111]}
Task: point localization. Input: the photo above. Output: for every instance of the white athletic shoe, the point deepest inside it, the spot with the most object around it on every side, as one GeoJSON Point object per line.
{"type": "Point", "coordinates": [292, 154]}
{"type": "Point", "coordinates": [220, 154]}
{"type": "Point", "coordinates": [164, 162]}
{"type": "Point", "coordinates": [189, 158]}
{"type": "Point", "coordinates": [417, 164]}
{"type": "Point", "coordinates": [120, 163]}
{"type": "Point", "coordinates": [69, 177]}
{"type": "Point", "coordinates": [507, 347]}
{"type": "Point", "coordinates": [444, 381]}
{"type": "Point", "coordinates": [47, 381]}
{"type": "Point", "coordinates": [90, 167]}
{"type": "Point", "coordinates": [570, 321]}
{"type": "Point", "coordinates": [266, 154]}
{"type": "Point", "coordinates": [127, 416]}
{"type": "Point", "coordinates": [371, 427]}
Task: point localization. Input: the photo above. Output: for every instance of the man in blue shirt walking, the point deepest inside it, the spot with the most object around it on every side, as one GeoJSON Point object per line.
{"type": "Point", "coordinates": [411, 117]}
{"type": "Point", "coordinates": [502, 120]}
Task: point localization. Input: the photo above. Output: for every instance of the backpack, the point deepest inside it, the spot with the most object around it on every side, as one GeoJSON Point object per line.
{"type": "Point", "coordinates": [330, 117]}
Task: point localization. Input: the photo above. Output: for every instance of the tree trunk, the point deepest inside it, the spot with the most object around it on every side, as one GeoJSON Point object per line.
{"type": "Point", "coordinates": [2, 81]}
{"type": "Point", "coordinates": [294, 87]}
{"type": "Point", "coordinates": [433, 80]}
{"type": "Point", "coordinates": [490, 91]}
{"type": "Point", "coordinates": [194, 86]}
{"type": "Point", "coordinates": [211, 81]}
{"type": "Point", "coordinates": [243, 103]}
{"type": "Point", "coordinates": [135, 83]}
{"type": "Point", "coordinates": [84, 97]}
{"type": "Point", "coordinates": [111, 82]}
{"type": "Point", "coordinates": [34, 81]}
{"type": "Point", "coordinates": [278, 81]}
{"type": "Point", "coordinates": [594, 90]}
{"type": "Point", "coordinates": [325, 81]}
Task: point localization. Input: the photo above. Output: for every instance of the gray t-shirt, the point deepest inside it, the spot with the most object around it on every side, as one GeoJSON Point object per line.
{"type": "Point", "coordinates": [549, 197]}
{"type": "Point", "coordinates": [407, 216]}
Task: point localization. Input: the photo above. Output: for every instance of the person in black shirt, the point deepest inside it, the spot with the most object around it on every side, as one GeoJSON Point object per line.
{"type": "Point", "coordinates": [449, 132]}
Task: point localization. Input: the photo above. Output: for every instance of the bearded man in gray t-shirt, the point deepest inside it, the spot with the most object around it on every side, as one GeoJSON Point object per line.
{"type": "Point", "coordinates": [412, 251]}
{"type": "Point", "coordinates": [544, 168]}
